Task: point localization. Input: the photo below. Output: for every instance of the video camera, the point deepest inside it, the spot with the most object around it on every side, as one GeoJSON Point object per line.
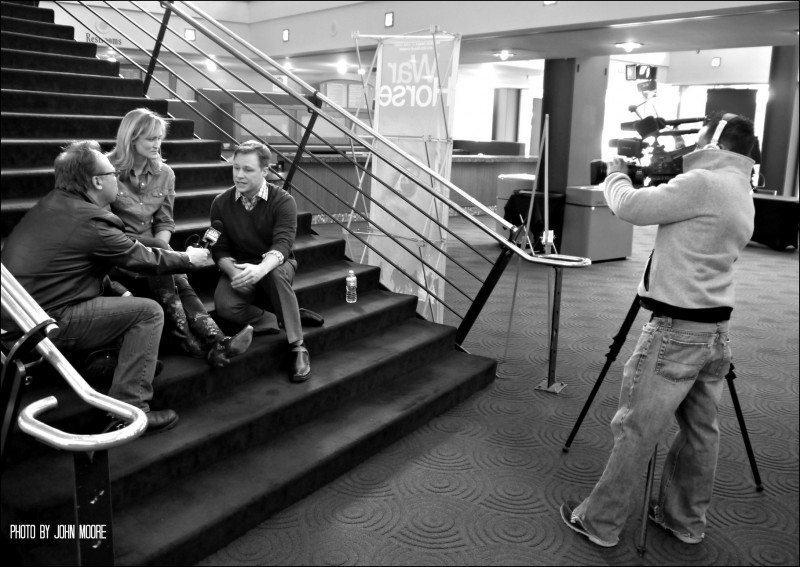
{"type": "Point", "coordinates": [660, 165]}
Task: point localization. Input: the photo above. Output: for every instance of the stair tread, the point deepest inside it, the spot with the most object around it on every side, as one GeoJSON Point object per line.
{"type": "Point", "coordinates": [221, 414]}
{"type": "Point", "coordinates": [218, 492]}
{"type": "Point", "coordinates": [11, 70]}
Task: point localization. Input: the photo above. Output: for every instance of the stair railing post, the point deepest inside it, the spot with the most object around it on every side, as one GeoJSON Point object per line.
{"type": "Point", "coordinates": [157, 47]}
{"type": "Point", "coordinates": [94, 532]}
{"type": "Point", "coordinates": [486, 290]}
{"type": "Point", "coordinates": [301, 148]}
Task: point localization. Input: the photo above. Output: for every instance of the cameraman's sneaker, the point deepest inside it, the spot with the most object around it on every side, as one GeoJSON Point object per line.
{"type": "Point", "coordinates": [658, 519]}
{"type": "Point", "coordinates": [576, 525]}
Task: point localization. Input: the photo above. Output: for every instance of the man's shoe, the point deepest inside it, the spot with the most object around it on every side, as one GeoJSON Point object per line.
{"type": "Point", "coordinates": [301, 367]}
{"type": "Point", "coordinates": [161, 420]}
{"type": "Point", "coordinates": [311, 318]}
{"type": "Point", "coordinates": [576, 525]}
{"type": "Point", "coordinates": [658, 519]}
{"type": "Point", "coordinates": [238, 343]}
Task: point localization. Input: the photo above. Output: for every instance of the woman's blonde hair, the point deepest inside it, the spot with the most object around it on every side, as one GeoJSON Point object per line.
{"type": "Point", "coordinates": [137, 123]}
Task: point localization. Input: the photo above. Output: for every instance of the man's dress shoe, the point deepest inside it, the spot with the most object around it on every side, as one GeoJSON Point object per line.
{"type": "Point", "coordinates": [161, 420]}
{"type": "Point", "coordinates": [311, 318]}
{"type": "Point", "coordinates": [301, 365]}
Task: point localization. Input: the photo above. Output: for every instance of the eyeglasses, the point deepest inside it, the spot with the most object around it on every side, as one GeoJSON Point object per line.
{"type": "Point", "coordinates": [115, 173]}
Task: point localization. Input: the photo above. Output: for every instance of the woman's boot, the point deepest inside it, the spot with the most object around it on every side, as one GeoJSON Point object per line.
{"type": "Point", "coordinates": [175, 318]}
{"type": "Point", "coordinates": [219, 348]}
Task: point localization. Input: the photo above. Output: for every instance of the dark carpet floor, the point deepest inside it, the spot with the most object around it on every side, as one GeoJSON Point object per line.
{"type": "Point", "coordinates": [481, 484]}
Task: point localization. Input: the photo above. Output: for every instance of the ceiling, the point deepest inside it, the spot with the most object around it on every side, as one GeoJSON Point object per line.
{"type": "Point", "coordinates": [775, 24]}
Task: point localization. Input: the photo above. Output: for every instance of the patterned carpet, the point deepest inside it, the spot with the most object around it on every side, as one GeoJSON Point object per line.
{"type": "Point", "coordinates": [481, 484]}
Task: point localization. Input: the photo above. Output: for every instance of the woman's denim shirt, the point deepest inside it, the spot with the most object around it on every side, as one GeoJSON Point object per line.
{"type": "Point", "coordinates": [145, 203]}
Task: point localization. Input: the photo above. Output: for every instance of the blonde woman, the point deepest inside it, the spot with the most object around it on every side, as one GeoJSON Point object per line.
{"type": "Point", "coordinates": [144, 204]}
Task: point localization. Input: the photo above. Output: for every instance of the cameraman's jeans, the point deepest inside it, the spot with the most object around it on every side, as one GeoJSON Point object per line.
{"type": "Point", "coordinates": [103, 320]}
{"type": "Point", "coordinates": [677, 368]}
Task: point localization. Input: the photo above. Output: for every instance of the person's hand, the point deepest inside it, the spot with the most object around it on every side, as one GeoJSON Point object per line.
{"type": "Point", "coordinates": [199, 257]}
{"type": "Point", "coordinates": [249, 274]}
{"type": "Point", "coordinates": [617, 165]}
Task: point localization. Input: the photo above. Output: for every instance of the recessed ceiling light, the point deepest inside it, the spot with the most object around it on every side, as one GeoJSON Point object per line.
{"type": "Point", "coordinates": [210, 65]}
{"type": "Point", "coordinates": [503, 55]}
{"type": "Point", "coordinates": [341, 67]}
{"type": "Point", "coordinates": [388, 19]}
{"type": "Point", "coordinates": [716, 61]}
{"type": "Point", "coordinates": [189, 34]}
{"type": "Point", "coordinates": [550, 3]}
{"type": "Point", "coordinates": [285, 34]}
{"type": "Point", "coordinates": [629, 46]}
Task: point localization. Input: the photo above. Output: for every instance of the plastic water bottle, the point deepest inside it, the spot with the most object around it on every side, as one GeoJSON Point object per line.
{"type": "Point", "coordinates": [351, 287]}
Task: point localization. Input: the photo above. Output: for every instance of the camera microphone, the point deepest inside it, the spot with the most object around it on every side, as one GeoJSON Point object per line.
{"type": "Point", "coordinates": [212, 235]}
{"type": "Point", "coordinates": [683, 121]}
{"type": "Point", "coordinates": [647, 126]}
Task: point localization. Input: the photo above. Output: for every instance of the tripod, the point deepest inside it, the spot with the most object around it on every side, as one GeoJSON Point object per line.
{"type": "Point", "coordinates": [611, 356]}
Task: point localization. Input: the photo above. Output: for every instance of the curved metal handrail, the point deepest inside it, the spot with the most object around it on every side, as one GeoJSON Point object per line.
{"type": "Point", "coordinates": [26, 313]}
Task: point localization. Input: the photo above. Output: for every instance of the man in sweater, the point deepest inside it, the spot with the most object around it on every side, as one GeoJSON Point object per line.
{"type": "Point", "coordinates": [705, 218]}
{"type": "Point", "coordinates": [61, 252]}
{"type": "Point", "coordinates": [254, 253]}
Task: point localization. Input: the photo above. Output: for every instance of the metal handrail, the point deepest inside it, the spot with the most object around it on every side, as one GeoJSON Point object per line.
{"type": "Point", "coordinates": [559, 260]}
{"type": "Point", "coordinates": [352, 129]}
{"type": "Point", "coordinates": [27, 314]}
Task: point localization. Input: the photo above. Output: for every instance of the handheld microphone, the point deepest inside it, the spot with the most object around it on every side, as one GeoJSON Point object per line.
{"type": "Point", "coordinates": [212, 234]}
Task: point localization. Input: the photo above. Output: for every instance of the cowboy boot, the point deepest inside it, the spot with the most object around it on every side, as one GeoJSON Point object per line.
{"type": "Point", "coordinates": [178, 325]}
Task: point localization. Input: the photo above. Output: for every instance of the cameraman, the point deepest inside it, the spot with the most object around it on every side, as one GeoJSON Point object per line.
{"type": "Point", "coordinates": [705, 218]}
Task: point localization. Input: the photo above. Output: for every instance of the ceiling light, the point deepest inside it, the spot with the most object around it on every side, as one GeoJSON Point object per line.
{"type": "Point", "coordinates": [288, 65]}
{"type": "Point", "coordinates": [716, 61]}
{"type": "Point", "coordinates": [189, 34]}
{"type": "Point", "coordinates": [362, 71]}
{"type": "Point", "coordinates": [285, 34]}
{"type": "Point", "coordinates": [629, 46]}
{"type": "Point", "coordinates": [504, 55]}
{"type": "Point", "coordinates": [341, 67]}
{"type": "Point", "coordinates": [210, 65]}
{"type": "Point", "coordinates": [388, 19]}
{"type": "Point", "coordinates": [550, 3]}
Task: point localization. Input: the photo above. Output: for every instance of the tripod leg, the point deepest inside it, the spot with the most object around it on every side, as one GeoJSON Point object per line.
{"type": "Point", "coordinates": [641, 543]}
{"type": "Point", "coordinates": [611, 356]}
{"type": "Point", "coordinates": [743, 428]}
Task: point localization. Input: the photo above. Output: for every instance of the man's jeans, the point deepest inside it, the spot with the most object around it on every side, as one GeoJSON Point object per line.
{"type": "Point", "coordinates": [676, 368]}
{"type": "Point", "coordinates": [103, 320]}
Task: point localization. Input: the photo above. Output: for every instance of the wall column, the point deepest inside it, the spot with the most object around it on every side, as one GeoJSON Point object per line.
{"type": "Point", "coordinates": [575, 98]}
{"type": "Point", "coordinates": [779, 146]}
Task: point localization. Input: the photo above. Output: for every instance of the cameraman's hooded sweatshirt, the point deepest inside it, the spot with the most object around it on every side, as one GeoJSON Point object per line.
{"type": "Point", "coordinates": [705, 217]}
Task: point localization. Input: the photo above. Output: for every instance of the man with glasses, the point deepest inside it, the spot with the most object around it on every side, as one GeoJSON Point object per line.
{"type": "Point", "coordinates": [61, 251]}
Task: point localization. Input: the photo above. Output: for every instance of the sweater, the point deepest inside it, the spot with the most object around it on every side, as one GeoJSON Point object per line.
{"type": "Point", "coordinates": [247, 235]}
{"type": "Point", "coordinates": [705, 217]}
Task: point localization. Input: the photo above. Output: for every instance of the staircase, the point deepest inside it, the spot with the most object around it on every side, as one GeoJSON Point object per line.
{"type": "Point", "coordinates": [249, 442]}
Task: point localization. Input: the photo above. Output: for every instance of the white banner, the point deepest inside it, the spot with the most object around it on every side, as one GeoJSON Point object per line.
{"type": "Point", "coordinates": [414, 102]}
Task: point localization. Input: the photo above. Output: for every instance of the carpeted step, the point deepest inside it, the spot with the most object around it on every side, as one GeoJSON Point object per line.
{"type": "Point", "coordinates": [325, 284]}
{"type": "Point", "coordinates": [75, 126]}
{"type": "Point", "coordinates": [22, 11]}
{"type": "Point", "coordinates": [185, 522]}
{"type": "Point", "coordinates": [32, 27]}
{"type": "Point", "coordinates": [12, 40]}
{"type": "Point", "coordinates": [21, 59]}
{"type": "Point", "coordinates": [54, 82]}
{"type": "Point", "coordinates": [21, 153]}
{"type": "Point", "coordinates": [185, 381]}
{"type": "Point", "coordinates": [219, 502]}
{"type": "Point", "coordinates": [65, 103]}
